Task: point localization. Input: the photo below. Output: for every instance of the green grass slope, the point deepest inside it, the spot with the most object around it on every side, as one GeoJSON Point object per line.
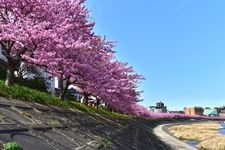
{"type": "Point", "coordinates": [27, 94]}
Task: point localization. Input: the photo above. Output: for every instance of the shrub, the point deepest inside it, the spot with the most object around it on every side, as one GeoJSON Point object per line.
{"type": "Point", "coordinates": [37, 83]}
{"type": "Point", "coordinates": [11, 146]}
{"type": "Point", "coordinates": [2, 72]}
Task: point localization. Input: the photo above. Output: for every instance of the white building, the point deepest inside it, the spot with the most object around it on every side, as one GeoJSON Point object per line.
{"type": "Point", "coordinates": [159, 108]}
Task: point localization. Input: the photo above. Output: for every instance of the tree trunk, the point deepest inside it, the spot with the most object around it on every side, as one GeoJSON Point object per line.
{"type": "Point", "coordinates": [60, 84]}
{"type": "Point", "coordinates": [64, 91]}
{"type": "Point", "coordinates": [86, 99]}
{"type": "Point", "coordinates": [98, 102]}
{"type": "Point", "coordinates": [10, 74]}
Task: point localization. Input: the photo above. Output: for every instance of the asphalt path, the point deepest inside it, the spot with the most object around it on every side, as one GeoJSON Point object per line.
{"type": "Point", "coordinates": [174, 143]}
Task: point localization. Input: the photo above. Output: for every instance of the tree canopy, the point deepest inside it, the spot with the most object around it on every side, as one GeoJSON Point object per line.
{"type": "Point", "coordinates": [58, 35]}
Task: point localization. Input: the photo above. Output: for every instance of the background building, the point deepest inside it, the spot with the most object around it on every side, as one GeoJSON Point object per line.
{"type": "Point", "coordinates": [159, 108]}
{"type": "Point", "coordinates": [221, 110]}
{"type": "Point", "coordinates": [210, 112]}
{"type": "Point", "coordinates": [76, 92]}
{"type": "Point", "coordinates": [193, 110]}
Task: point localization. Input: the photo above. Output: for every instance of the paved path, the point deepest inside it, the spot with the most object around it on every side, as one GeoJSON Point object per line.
{"type": "Point", "coordinates": [174, 143]}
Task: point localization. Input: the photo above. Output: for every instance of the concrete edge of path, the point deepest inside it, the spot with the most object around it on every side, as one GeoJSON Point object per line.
{"type": "Point", "coordinates": [174, 143]}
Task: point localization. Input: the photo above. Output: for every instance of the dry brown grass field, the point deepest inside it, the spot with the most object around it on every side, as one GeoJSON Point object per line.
{"type": "Point", "coordinates": [205, 133]}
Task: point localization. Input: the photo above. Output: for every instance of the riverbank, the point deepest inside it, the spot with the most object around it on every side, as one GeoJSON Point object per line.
{"type": "Point", "coordinates": [203, 135]}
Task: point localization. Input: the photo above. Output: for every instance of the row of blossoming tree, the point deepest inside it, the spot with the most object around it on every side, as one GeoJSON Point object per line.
{"type": "Point", "coordinates": [58, 35]}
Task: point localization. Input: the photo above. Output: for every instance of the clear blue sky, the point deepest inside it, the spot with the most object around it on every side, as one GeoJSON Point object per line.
{"type": "Point", "coordinates": [178, 45]}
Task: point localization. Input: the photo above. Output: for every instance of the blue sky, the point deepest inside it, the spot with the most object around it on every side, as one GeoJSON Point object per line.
{"type": "Point", "coordinates": [178, 45]}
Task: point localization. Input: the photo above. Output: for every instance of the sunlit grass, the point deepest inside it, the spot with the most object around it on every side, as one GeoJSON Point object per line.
{"type": "Point", "coordinates": [27, 94]}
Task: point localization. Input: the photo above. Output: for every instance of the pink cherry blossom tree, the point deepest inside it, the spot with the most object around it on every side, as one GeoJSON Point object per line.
{"type": "Point", "coordinates": [112, 81]}
{"type": "Point", "coordinates": [66, 53]}
{"type": "Point", "coordinates": [57, 34]}
{"type": "Point", "coordinates": [34, 26]}
{"type": "Point", "coordinates": [22, 30]}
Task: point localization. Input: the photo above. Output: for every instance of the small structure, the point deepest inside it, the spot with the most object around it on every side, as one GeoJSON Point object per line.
{"type": "Point", "coordinates": [76, 92]}
{"type": "Point", "coordinates": [210, 112]}
{"type": "Point", "coordinates": [221, 111]}
{"type": "Point", "coordinates": [159, 108]}
{"type": "Point", "coordinates": [193, 110]}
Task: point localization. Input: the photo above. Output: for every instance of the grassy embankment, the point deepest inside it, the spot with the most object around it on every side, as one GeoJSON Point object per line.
{"type": "Point", "coordinates": [205, 133]}
{"type": "Point", "coordinates": [26, 90]}
{"type": "Point", "coordinates": [20, 92]}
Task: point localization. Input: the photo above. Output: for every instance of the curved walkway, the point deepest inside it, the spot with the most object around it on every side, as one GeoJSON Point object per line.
{"type": "Point", "coordinates": [174, 143]}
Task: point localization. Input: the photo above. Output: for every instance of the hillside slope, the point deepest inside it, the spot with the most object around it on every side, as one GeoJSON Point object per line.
{"type": "Point", "coordinates": [37, 126]}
